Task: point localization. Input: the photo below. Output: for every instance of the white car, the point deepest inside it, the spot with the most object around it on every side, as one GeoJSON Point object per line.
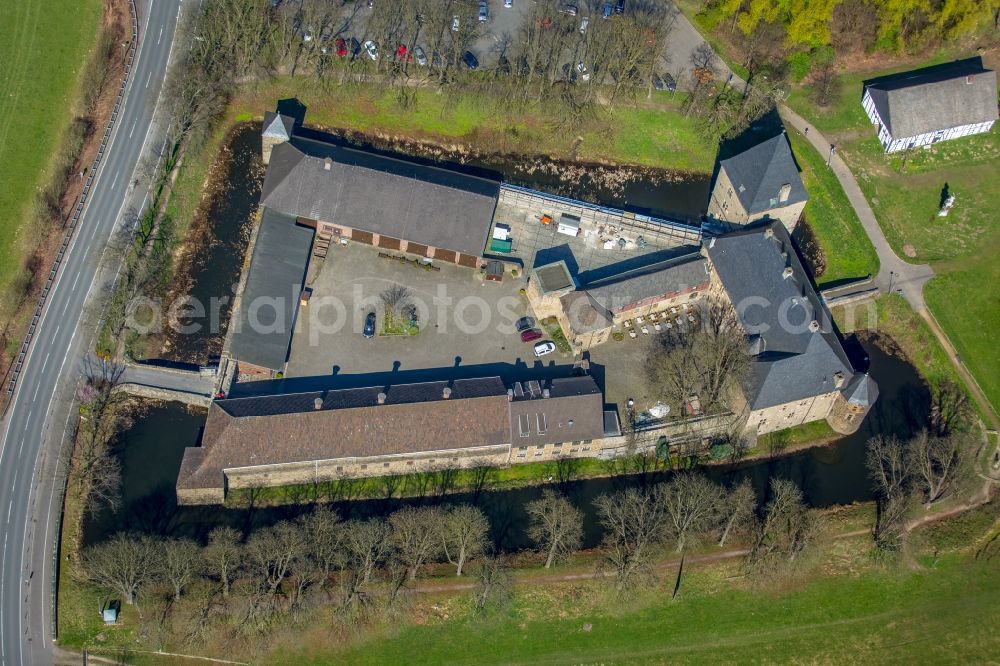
{"type": "Point", "coordinates": [508, 3]}
{"type": "Point", "coordinates": [454, 23]}
{"type": "Point", "coordinates": [371, 50]}
{"type": "Point", "coordinates": [582, 69]}
{"type": "Point", "coordinates": [583, 25]}
{"type": "Point", "coordinates": [545, 347]}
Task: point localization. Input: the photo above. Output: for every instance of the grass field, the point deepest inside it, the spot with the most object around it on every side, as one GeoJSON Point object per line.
{"type": "Point", "coordinates": [945, 615]}
{"type": "Point", "coordinates": [651, 133]}
{"type": "Point", "coordinates": [848, 252]}
{"type": "Point", "coordinates": [43, 46]}
{"type": "Point", "coordinates": [905, 192]}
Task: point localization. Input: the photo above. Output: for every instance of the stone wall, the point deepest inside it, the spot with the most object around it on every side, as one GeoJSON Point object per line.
{"type": "Point", "coordinates": [792, 414]}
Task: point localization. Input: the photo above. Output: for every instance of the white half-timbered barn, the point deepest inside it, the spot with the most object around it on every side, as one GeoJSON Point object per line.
{"type": "Point", "coordinates": [922, 107]}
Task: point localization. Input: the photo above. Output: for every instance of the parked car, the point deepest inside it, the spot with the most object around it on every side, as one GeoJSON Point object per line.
{"type": "Point", "coordinates": [371, 50]}
{"type": "Point", "coordinates": [454, 23]}
{"type": "Point", "coordinates": [620, 7]}
{"type": "Point", "coordinates": [508, 3]}
{"type": "Point", "coordinates": [401, 53]}
{"type": "Point", "coordinates": [607, 10]}
{"type": "Point", "coordinates": [355, 47]}
{"type": "Point", "coordinates": [543, 348]}
{"type": "Point", "coordinates": [341, 47]}
{"type": "Point", "coordinates": [421, 57]}
{"type": "Point", "coordinates": [470, 60]}
{"type": "Point", "coordinates": [369, 331]}
{"type": "Point", "coordinates": [665, 82]}
{"type": "Point", "coordinates": [484, 11]}
{"type": "Point", "coordinates": [530, 335]}
{"type": "Point", "coordinates": [569, 9]}
{"type": "Point", "coordinates": [523, 324]}
{"type": "Point", "coordinates": [583, 25]}
{"type": "Point", "coordinates": [583, 72]}
{"type": "Point", "coordinates": [436, 60]}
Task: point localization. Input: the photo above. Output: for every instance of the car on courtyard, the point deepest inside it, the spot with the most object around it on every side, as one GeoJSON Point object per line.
{"type": "Point", "coordinates": [484, 11]}
{"type": "Point", "coordinates": [620, 7]}
{"type": "Point", "coordinates": [606, 11]}
{"type": "Point", "coordinates": [530, 335]}
{"type": "Point", "coordinates": [508, 3]}
{"type": "Point", "coordinates": [569, 9]}
{"type": "Point", "coordinates": [470, 60]}
{"type": "Point", "coordinates": [543, 348]}
{"type": "Point", "coordinates": [341, 47]}
{"type": "Point", "coordinates": [584, 72]}
{"type": "Point", "coordinates": [369, 331]}
{"type": "Point", "coordinates": [371, 50]}
{"type": "Point", "coordinates": [455, 23]}
{"type": "Point", "coordinates": [421, 57]}
{"type": "Point", "coordinates": [524, 323]}
{"type": "Point", "coordinates": [583, 25]}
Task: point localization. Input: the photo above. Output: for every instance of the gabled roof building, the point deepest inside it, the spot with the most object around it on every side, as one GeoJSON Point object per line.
{"type": "Point", "coordinates": [925, 106]}
{"type": "Point", "coordinates": [799, 371]}
{"type": "Point", "coordinates": [761, 183]}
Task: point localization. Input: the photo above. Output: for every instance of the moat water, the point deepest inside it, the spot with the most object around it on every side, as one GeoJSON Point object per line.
{"type": "Point", "coordinates": [151, 451]}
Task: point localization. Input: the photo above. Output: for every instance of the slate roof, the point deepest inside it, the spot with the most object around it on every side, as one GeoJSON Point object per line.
{"type": "Point", "coordinates": [278, 126]}
{"type": "Point", "coordinates": [620, 292]}
{"type": "Point", "coordinates": [277, 271]}
{"type": "Point", "coordinates": [935, 98]}
{"type": "Point", "coordinates": [757, 175]}
{"type": "Point", "coordinates": [862, 391]}
{"type": "Point", "coordinates": [795, 362]}
{"type": "Point", "coordinates": [362, 190]}
{"type": "Point", "coordinates": [572, 412]}
{"type": "Point", "coordinates": [268, 430]}
{"type": "Point", "coordinates": [584, 313]}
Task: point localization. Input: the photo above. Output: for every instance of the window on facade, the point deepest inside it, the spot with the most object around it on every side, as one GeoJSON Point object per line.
{"type": "Point", "coordinates": [538, 453]}
{"type": "Point", "coordinates": [385, 464]}
{"type": "Point", "coordinates": [364, 467]}
{"type": "Point", "coordinates": [557, 444]}
{"type": "Point", "coordinates": [409, 462]}
{"type": "Point", "coordinates": [574, 450]}
{"type": "Point", "coordinates": [587, 441]}
{"type": "Point", "coordinates": [340, 468]}
{"type": "Point", "coordinates": [540, 447]}
{"type": "Point", "coordinates": [521, 455]}
{"type": "Point", "coordinates": [522, 448]}
{"type": "Point", "coordinates": [586, 448]}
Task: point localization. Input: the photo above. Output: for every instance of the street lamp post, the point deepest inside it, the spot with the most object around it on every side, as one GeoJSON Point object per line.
{"type": "Point", "coordinates": [892, 275]}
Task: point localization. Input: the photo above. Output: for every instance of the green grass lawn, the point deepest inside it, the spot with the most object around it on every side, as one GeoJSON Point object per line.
{"type": "Point", "coordinates": [43, 46]}
{"type": "Point", "coordinates": [847, 250]}
{"type": "Point", "coordinates": [962, 248]}
{"type": "Point", "coordinates": [938, 616]}
{"type": "Point", "coordinates": [649, 133]}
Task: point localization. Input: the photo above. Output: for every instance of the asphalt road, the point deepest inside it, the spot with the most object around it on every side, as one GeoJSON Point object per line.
{"type": "Point", "coordinates": [36, 420]}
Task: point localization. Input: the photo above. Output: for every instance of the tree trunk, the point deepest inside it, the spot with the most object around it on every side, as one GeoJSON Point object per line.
{"type": "Point", "coordinates": [552, 554]}
{"type": "Point", "coordinates": [461, 561]}
{"type": "Point", "coordinates": [725, 532]}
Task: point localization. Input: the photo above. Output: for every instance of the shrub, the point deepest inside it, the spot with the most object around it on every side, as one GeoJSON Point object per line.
{"type": "Point", "coordinates": [618, 336]}
{"type": "Point", "coordinates": [720, 451]}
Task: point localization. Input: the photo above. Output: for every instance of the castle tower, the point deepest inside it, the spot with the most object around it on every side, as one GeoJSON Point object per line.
{"type": "Point", "coordinates": [852, 404]}
{"type": "Point", "coordinates": [277, 129]}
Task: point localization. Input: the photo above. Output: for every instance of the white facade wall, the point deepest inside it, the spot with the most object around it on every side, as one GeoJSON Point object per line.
{"type": "Point", "coordinates": [891, 144]}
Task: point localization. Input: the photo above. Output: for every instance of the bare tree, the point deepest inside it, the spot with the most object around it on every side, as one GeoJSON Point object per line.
{"type": "Point", "coordinates": [367, 544]}
{"type": "Point", "coordinates": [463, 531]}
{"type": "Point", "coordinates": [939, 463]}
{"type": "Point", "coordinates": [123, 563]}
{"type": "Point", "coordinates": [950, 408]}
{"type": "Point", "coordinates": [635, 524]}
{"type": "Point", "coordinates": [324, 537]}
{"type": "Point", "coordinates": [690, 502]}
{"type": "Point", "coordinates": [416, 536]}
{"type": "Point", "coordinates": [786, 527]}
{"type": "Point", "coordinates": [889, 470]}
{"type": "Point", "coordinates": [393, 300]}
{"type": "Point", "coordinates": [555, 525]}
{"type": "Point", "coordinates": [224, 555]}
{"type": "Point", "coordinates": [180, 562]}
{"type": "Point", "coordinates": [494, 585]}
{"type": "Point", "coordinates": [270, 553]}
{"type": "Point", "coordinates": [105, 485]}
{"type": "Point", "coordinates": [737, 509]}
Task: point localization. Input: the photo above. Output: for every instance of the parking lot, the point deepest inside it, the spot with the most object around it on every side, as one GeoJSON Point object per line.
{"type": "Point", "coordinates": [463, 320]}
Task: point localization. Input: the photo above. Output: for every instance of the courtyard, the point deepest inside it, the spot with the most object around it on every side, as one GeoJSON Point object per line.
{"type": "Point", "coordinates": [463, 320]}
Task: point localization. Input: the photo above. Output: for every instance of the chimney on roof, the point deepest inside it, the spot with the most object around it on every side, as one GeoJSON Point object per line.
{"type": "Point", "coordinates": [814, 326]}
{"type": "Point", "coordinates": [381, 398]}
{"type": "Point", "coordinates": [785, 192]}
{"type": "Point", "coordinates": [545, 393]}
{"type": "Point", "coordinates": [327, 164]}
{"type": "Point", "coordinates": [446, 393]}
{"type": "Point", "coordinates": [838, 379]}
{"type": "Point", "coordinates": [318, 404]}
{"type": "Point", "coordinates": [769, 233]}
{"type": "Point", "coordinates": [787, 273]}
{"type": "Point", "coordinates": [510, 395]}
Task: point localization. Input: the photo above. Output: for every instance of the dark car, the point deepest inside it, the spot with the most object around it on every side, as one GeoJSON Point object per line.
{"type": "Point", "coordinates": [607, 10]}
{"type": "Point", "coordinates": [530, 335]}
{"type": "Point", "coordinates": [524, 323]}
{"type": "Point", "coordinates": [436, 60]}
{"type": "Point", "coordinates": [355, 47]}
{"type": "Point", "coordinates": [369, 331]}
{"type": "Point", "coordinates": [620, 7]}
{"type": "Point", "coordinates": [665, 82]}
{"type": "Point", "coordinates": [470, 60]}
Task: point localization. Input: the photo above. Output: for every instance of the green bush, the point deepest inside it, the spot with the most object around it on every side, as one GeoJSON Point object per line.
{"type": "Point", "coordinates": [799, 65]}
{"type": "Point", "coordinates": [720, 451]}
{"type": "Point", "coordinates": [618, 336]}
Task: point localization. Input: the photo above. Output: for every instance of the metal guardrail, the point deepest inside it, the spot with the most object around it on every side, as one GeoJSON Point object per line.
{"type": "Point", "coordinates": [12, 382]}
{"type": "Point", "coordinates": [15, 371]}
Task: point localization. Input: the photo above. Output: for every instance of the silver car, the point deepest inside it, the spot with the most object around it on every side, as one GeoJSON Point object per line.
{"type": "Point", "coordinates": [420, 56]}
{"type": "Point", "coordinates": [371, 50]}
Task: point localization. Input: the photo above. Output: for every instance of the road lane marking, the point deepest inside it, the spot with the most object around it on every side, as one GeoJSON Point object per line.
{"type": "Point", "coordinates": [161, 35]}
{"type": "Point", "coordinates": [132, 131]}
{"type": "Point", "coordinates": [75, 281]}
{"type": "Point", "coordinates": [148, 78]}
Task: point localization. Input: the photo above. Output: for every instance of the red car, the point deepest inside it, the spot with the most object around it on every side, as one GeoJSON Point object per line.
{"type": "Point", "coordinates": [341, 47]}
{"type": "Point", "coordinates": [401, 53]}
{"type": "Point", "coordinates": [530, 334]}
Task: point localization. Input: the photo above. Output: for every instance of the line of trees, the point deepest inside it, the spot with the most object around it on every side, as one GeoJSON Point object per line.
{"type": "Point", "coordinates": [369, 566]}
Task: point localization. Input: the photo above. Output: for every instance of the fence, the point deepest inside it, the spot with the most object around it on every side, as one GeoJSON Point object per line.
{"type": "Point", "coordinates": [14, 373]}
